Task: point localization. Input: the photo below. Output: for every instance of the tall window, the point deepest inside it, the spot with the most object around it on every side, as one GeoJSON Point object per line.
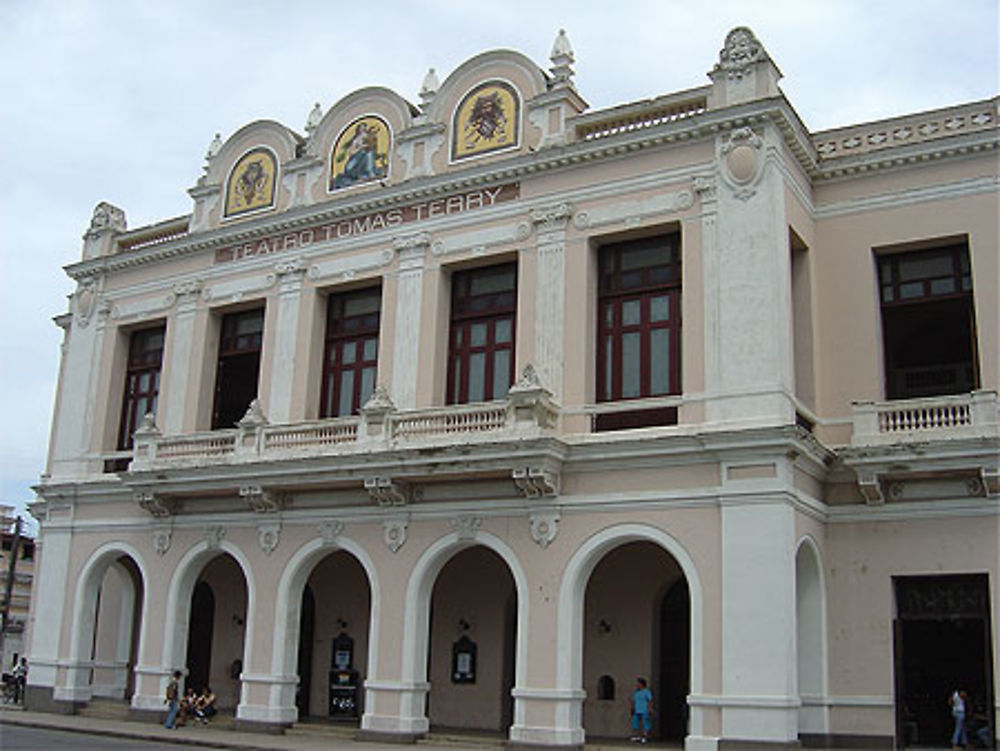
{"type": "Point", "coordinates": [928, 323]}
{"type": "Point", "coordinates": [481, 343]}
{"type": "Point", "coordinates": [142, 381]}
{"type": "Point", "coordinates": [351, 356]}
{"type": "Point", "coordinates": [238, 368]}
{"type": "Point", "coordinates": [639, 327]}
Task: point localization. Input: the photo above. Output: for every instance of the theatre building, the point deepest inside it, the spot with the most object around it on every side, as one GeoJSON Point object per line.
{"type": "Point", "coordinates": [463, 413]}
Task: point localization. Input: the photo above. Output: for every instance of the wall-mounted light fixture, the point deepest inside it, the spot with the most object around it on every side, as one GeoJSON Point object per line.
{"type": "Point", "coordinates": [341, 623]}
{"type": "Point", "coordinates": [463, 625]}
{"type": "Point", "coordinates": [604, 627]}
{"type": "Point", "coordinates": [237, 620]}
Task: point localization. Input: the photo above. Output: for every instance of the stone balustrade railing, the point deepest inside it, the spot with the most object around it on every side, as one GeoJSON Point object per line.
{"type": "Point", "coordinates": [528, 411]}
{"type": "Point", "coordinates": [960, 416]}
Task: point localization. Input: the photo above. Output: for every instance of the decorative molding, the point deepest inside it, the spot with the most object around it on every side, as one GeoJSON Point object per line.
{"type": "Point", "coordinates": [466, 527]}
{"type": "Point", "coordinates": [213, 536]}
{"type": "Point", "coordinates": [121, 311]}
{"type": "Point", "coordinates": [480, 239]}
{"type": "Point", "coordinates": [634, 212]}
{"type": "Point", "coordinates": [740, 155]}
{"type": "Point", "coordinates": [706, 188]}
{"type": "Point", "coordinates": [158, 506]}
{"type": "Point", "coordinates": [553, 217]}
{"type": "Point", "coordinates": [236, 289]}
{"type": "Point", "coordinates": [536, 482]}
{"type": "Point", "coordinates": [394, 532]}
{"type": "Point", "coordinates": [254, 417]}
{"type": "Point", "coordinates": [544, 526]}
{"type": "Point", "coordinates": [161, 541]}
{"type": "Point", "coordinates": [85, 302]}
{"type": "Point", "coordinates": [989, 477]}
{"type": "Point", "coordinates": [348, 268]}
{"type": "Point", "coordinates": [741, 50]}
{"type": "Point", "coordinates": [871, 488]}
{"type": "Point", "coordinates": [260, 500]}
{"type": "Point", "coordinates": [106, 218]}
{"type": "Point", "coordinates": [388, 492]}
{"type": "Point", "coordinates": [411, 242]}
{"type": "Point", "coordinates": [268, 536]}
{"type": "Point", "coordinates": [330, 530]}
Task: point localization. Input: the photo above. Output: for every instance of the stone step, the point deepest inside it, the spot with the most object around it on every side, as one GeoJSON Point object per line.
{"type": "Point", "coordinates": [105, 709]}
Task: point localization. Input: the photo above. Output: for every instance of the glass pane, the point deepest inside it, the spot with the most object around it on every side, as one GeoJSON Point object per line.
{"type": "Point", "coordinates": [631, 279]}
{"type": "Point", "coordinates": [887, 295]}
{"type": "Point", "coordinates": [332, 355]}
{"type": "Point", "coordinates": [477, 335]}
{"type": "Point", "coordinates": [330, 411]}
{"type": "Point", "coordinates": [609, 315]}
{"type": "Point", "coordinates": [360, 304]}
{"type": "Point", "coordinates": [477, 377]}
{"type": "Point", "coordinates": [913, 289]}
{"type": "Point", "coordinates": [456, 391]}
{"type": "Point", "coordinates": [156, 380]}
{"type": "Point", "coordinates": [371, 350]}
{"type": "Point", "coordinates": [501, 373]}
{"type": "Point", "coordinates": [659, 366]}
{"type": "Point", "coordinates": [144, 382]}
{"type": "Point", "coordinates": [943, 286]}
{"type": "Point", "coordinates": [631, 313]}
{"type": "Point", "coordinates": [640, 258]}
{"type": "Point", "coordinates": [459, 336]}
{"type": "Point", "coordinates": [631, 365]}
{"type": "Point", "coordinates": [346, 393]}
{"type": "Point", "coordinates": [659, 309]}
{"type": "Point", "coordinates": [350, 352]}
{"type": "Point", "coordinates": [608, 367]}
{"type": "Point", "coordinates": [152, 404]}
{"type": "Point", "coordinates": [140, 408]}
{"type": "Point", "coordinates": [250, 323]}
{"type": "Point", "coordinates": [501, 331]}
{"type": "Point", "coordinates": [498, 279]}
{"type": "Point", "coordinates": [922, 267]}
{"type": "Point", "coordinates": [367, 384]}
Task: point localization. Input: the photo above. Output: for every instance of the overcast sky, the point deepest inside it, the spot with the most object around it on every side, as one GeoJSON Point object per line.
{"type": "Point", "coordinates": [117, 101]}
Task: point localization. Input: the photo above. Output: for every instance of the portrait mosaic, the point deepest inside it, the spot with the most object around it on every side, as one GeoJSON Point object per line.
{"type": "Point", "coordinates": [361, 153]}
{"type": "Point", "coordinates": [487, 119]}
{"type": "Point", "coordinates": [252, 182]}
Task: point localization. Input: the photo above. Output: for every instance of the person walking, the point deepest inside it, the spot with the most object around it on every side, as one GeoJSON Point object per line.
{"type": "Point", "coordinates": [20, 679]}
{"type": "Point", "coordinates": [172, 700]}
{"type": "Point", "coordinates": [640, 710]}
{"type": "Point", "coordinates": [960, 736]}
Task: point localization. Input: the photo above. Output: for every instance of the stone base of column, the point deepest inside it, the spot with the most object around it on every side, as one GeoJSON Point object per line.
{"type": "Point", "coordinates": [147, 716]}
{"type": "Point", "coordinates": [259, 726]}
{"type": "Point", "coordinates": [42, 699]}
{"type": "Point", "coordinates": [726, 744]}
{"type": "Point", "coordinates": [528, 746]}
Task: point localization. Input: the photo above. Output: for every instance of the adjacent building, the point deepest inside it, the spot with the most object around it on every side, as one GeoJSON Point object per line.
{"type": "Point", "coordinates": [17, 566]}
{"type": "Point", "coordinates": [464, 413]}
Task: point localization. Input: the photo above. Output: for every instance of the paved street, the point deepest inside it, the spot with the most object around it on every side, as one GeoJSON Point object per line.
{"type": "Point", "coordinates": [15, 738]}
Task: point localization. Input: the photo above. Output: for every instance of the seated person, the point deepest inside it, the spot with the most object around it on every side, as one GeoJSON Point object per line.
{"type": "Point", "coordinates": [205, 706]}
{"type": "Point", "coordinates": [186, 706]}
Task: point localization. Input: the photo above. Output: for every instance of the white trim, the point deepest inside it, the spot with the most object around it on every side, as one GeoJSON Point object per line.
{"type": "Point", "coordinates": [900, 198]}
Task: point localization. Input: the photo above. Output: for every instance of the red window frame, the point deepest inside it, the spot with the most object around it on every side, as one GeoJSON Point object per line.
{"type": "Point", "coordinates": [142, 381]}
{"type": "Point", "coordinates": [350, 354]}
{"type": "Point", "coordinates": [639, 296]}
{"type": "Point", "coordinates": [482, 333]}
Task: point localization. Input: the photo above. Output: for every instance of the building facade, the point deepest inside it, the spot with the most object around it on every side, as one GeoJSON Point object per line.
{"type": "Point", "coordinates": [17, 568]}
{"type": "Point", "coordinates": [466, 413]}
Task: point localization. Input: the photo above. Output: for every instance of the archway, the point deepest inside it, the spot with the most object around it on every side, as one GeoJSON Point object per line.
{"type": "Point", "coordinates": [636, 624]}
{"type": "Point", "coordinates": [570, 693]}
{"type": "Point", "coordinates": [472, 632]}
{"type": "Point", "coordinates": [810, 640]}
{"type": "Point", "coordinates": [108, 616]}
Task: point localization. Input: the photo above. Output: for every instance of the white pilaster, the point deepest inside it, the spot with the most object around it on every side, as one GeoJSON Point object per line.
{"type": "Point", "coordinates": [550, 222]}
{"type": "Point", "coordinates": [50, 589]}
{"type": "Point", "coordinates": [290, 274]}
{"type": "Point", "coordinates": [183, 359]}
{"type": "Point", "coordinates": [409, 301]}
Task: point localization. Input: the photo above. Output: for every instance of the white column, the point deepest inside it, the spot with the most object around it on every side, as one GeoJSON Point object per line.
{"type": "Point", "coordinates": [409, 302]}
{"type": "Point", "coordinates": [283, 367]}
{"type": "Point", "coordinates": [759, 687]}
{"type": "Point", "coordinates": [49, 593]}
{"type": "Point", "coordinates": [183, 360]}
{"type": "Point", "coordinates": [550, 293]}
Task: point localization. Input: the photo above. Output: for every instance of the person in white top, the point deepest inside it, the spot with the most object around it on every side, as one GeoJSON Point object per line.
{"type": "Point", "coordinates": [960, 737]}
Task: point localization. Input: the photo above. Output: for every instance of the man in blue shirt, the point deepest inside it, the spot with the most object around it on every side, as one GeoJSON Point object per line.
{"type": "Point", "coordinates": [641, 709]}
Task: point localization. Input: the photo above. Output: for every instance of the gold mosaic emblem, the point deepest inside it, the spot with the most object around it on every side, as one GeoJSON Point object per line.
{"type": "Point", "coordinates": [251, 184]}
{"type": "Point", "coordinates": [361, 153]}
{"type": "Point", "coordinates": [487, 119]}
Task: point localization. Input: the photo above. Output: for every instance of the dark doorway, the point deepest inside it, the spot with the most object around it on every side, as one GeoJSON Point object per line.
{"type": "Point", "coordinates": [238, 366]}
{"type": "Point", "coordinates": [675, 662]}
{"type": "Point", "coordinates": [200, 628]}
{"type": "Point", "coordinates": [307, 620]}
{"type": "Point", "coordinates": [942, 643]}
{"type": "Point", "coordinates": [133, 650]}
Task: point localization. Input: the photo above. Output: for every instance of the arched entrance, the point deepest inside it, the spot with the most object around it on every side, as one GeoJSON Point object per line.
{"type": "Point", "coordinates": [333, 639]}
{"type": "Point", "coordinates": [810, 640]}
{"type": "Point", "coordinates": [107, 625]}
{"type": "Point", "coordinates": [636, 624]}
{"type": "Point", "coordinates": [471, 644]}
{"type": "Point", "coordinates": [217, 630]}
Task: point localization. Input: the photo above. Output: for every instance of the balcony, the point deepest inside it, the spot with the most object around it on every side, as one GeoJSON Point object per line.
{"type": "Point", "coordinates": [527, 412]}
{"type": "Point", "coordinates": [972, 415]}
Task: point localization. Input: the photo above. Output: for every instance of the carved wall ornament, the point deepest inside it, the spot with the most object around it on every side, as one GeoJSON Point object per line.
{"type": "Point", "coordinates": [85, 302]}
{"type": "Point", "coordinates": [158, 506]}
{"type": "Point", "coordinates": [466, 527]}
{"type": "Point", "coordinates": [536, 482]}
{"type": "Point", "coordinates": [213, 536]}
{"type": "Point", "coordinates": [705, 187]}
{"type": "Point", "coordinates": [379, 400]}
{"type": "Point", "coordinates": [260, 500]}
{"type": "Point", "coordinates": [330, 530]}
{"type": "Point", "coordinates": [254, 416]}
{"type": "Point", "coordinates": [741, 50]}
{"type": "Point", "coordinates": [314, 119]}
{"type": "Point", "coordinates": [161, 541]}
{"type": "Point", "coordinates": [552, 217]}
{"type": "Point", "coordinates": [544, 527]}
{"type": "Point", "coordinates": [418, 240]}
{"type": "Point", "coordinates": [741, 152]}
{"type": "Point", "coordinates": [388, 492]}
{"type": "Point", "coordinates": [394, 533]}
{"type": "Point", "coordinates": [106, 217]}
{"type": "Point", "coordinates": [268, 536]}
